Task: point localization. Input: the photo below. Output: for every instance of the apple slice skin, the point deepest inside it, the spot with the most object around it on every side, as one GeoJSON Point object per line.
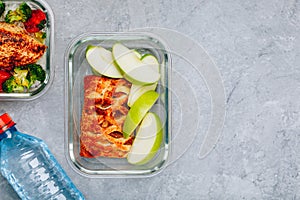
{"type": "Point", "coordinates": [151, 60]}
{"type": "Point", "coordinates": [137, 90]}
{"type": "Point", "coordinates": [137, 54]}
{"type": "Point", "coordinates": [133, 68]}
{"type": "Point", "coordinates": [101, 62]}
{"type": "Point", "coordinates": [144, 146]}
{"type": "Point", "coordinates": [137, 112]}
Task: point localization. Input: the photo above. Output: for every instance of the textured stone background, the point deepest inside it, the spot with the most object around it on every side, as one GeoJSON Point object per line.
{"type": "Point", "coordinates": [255, 45]}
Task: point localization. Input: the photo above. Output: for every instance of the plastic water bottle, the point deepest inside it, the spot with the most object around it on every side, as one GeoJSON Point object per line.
{"type": "Point", "coordinates": [30, 168]}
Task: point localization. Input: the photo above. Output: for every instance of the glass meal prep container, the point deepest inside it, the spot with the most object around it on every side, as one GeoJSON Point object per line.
{"type": "Point", "coordinates": [45, 61]}
{"type": "Point", "coordinates": [77, 68]}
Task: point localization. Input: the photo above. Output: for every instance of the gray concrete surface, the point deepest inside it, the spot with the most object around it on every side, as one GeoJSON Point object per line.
{"type": "Point", "coordinates": [255, 45]}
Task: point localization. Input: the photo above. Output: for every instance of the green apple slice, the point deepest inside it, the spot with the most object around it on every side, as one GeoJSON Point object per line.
{"type": "Point", "coordinates": [101, 62]}
{"type": "Point", "coordinates": [137, 54]}
{"type": "Point", "coordinates": [147, 141]}
{"type": "Point", "coordinates": [137, 112]}
{"type": "Point", "coordinates": [137, 90]}
{"type": "Point", "coordinates": [151, 60]}
{"type": "Point", "coordinates": [134, 69]}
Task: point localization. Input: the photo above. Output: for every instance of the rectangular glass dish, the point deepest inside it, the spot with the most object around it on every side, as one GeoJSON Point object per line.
{"type": "Point", "coordinates": [45, 61]}
{"type": "Point", "coordinates": [77, 68]}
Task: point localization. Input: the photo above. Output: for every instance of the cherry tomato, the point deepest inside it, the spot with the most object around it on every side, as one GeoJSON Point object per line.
{"type": "Point", "coordinates": [3, 77]}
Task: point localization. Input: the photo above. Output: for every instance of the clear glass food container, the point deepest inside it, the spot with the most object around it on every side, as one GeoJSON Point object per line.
{"type": "Point", "coordinates": [45, 61]}
{"type": "Point", "coordinates": [77, 68]}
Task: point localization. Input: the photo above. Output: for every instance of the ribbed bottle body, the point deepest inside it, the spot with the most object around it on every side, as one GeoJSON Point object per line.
{"type": "Point", "coordinates": [32, 170]}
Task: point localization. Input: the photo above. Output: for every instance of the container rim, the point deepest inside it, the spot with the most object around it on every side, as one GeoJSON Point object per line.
{"type": "Point", "coordinates": [41, 91]}
{"type": "Point", "coordinates": [69, 147]}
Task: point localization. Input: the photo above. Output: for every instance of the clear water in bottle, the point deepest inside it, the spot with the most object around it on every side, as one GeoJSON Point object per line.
{"type": "Point", "coordinates": [30, 168]}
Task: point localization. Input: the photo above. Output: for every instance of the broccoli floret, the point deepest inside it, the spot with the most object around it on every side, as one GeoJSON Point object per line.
{"type": "Point", "coordinates": [24, 77]}
{"type": "Point", "coordinates": [10, 85]}
{"type": "Point", "coordinates": [22, 13]}
{"type": "Point", "coordinates": [12, 17]}
{"type": "Point", "coordinates": [27, 75]}
{"type": "Point", "coordinates": [25, 10]}
{"type": "Point", "coordinates": [2, 7]}
{"type": "Point", "coordinates": [36, 73]}
{"type": "Point", "coordinates": [20, 74]}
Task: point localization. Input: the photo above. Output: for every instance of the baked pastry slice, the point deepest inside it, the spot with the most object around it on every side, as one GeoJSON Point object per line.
{"type": "Point", "coordinates": [103, 114]}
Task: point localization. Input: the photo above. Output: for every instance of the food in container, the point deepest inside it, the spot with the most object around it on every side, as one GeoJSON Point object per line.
{"type": "Point", "coordinates": [103, 115]}
{"type": "Point", "coordinates": [103, 125]}
{"type": "Point", "coordinates": [106, 117]}
{"type": "Point", "coordinates": [17, 47]}
{"type": "Point", "coordinates": [26, 41]}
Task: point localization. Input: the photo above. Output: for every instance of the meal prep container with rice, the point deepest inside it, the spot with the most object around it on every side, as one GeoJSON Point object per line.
{"type": "Point", "coordinates": [45, 61]}
{"type": "Point", "coordinates": [77, 68]}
